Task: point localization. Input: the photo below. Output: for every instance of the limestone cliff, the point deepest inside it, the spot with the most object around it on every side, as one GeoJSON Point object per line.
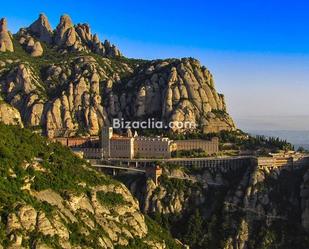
{"type": "Point", "coordinates": [247, 207]}
{"type": "Point", "coordinates": [77, 84]}
{"type": "Point", "coordinates": [49, 198]}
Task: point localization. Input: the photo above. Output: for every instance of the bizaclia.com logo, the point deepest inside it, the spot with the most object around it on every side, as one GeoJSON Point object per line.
{"type": "Point", "coordinates": [152, 123]}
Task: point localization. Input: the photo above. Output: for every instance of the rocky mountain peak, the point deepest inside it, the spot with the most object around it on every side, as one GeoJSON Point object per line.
{"type": "Point", "coordinates": [3, 25]}
{"type": "Point", "coordinates": [65, 23]}
{"type": "Point", "coordinates": [96, 38]}
{"type": "Point", "coordinates": [6, 43]}
{"type": "Point", "coordinates": [65, 33]}
{"type": "Point", "coordinates": [42, 29]}
{"type": "Point", "coordinates": [67, 37]}
{"type": "Point", "coordinates": [83, 30]}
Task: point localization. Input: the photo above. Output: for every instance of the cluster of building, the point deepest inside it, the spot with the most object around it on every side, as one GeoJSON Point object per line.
{"type": "Point", "coordinates": [134, 146]}
{"type": "Point", "coordinates": [281, 159]}
{"type": "Point", "coordinates": [111, 145]}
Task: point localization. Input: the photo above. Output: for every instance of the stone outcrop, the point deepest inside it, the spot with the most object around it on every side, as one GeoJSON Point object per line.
{"type": "Point", "coordinates": [9, 115]}
{"type": "Point", "coordinates": [65, 33]}
{"type": "Point", "coordinates": [37, 50]}
{"type": "Point", "coordinates": [79, 38]}
{"type": "Point", "coordinates": [33, 47]}
{"type": "Point", "coordinates": [41, 29]}
{"type": "Point", "coordinates": [6, 43]}
{"type": "Point", "coordinates": [119, 222]}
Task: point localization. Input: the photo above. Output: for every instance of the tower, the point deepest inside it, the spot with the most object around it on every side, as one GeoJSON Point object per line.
{"type": "Point", "coordinates": [135, 134]}
{"type": "Point", "coordinates": [129, 132]}
{"type": "Point", "coordinates": [106, 135]}
{"type": "Point", "coordinates": [154, 172]}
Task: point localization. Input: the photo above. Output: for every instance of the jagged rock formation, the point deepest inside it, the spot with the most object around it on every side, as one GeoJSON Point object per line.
{"type": "Point", "coordinates": [248, 208]}
{"type": "Point", "coordinates": [180, 90]}
{"type": "Point", "coordinates": [67, 37]}
{"type": "Point", "coordinates": [57, 201]}
{"type": "Point", "coordinates": [66, 93]}
{"type": "Point", "coordinates": [34, 48]}
{"type": "Point", "coordinates": [42, 29]}
{"type": "Point", "coordinates": [6, 43]}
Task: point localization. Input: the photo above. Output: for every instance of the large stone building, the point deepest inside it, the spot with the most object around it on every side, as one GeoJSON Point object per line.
{"type": "Point", "coordinates": [110, 145]}
{"type": "Point", "coordinates": [129, 146]}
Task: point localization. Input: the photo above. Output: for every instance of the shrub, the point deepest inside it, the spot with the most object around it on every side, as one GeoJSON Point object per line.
{"type": "Point", "coordinates": [110, 198]}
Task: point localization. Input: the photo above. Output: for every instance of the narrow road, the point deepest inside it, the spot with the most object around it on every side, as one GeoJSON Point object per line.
{"type": "Point", "coordinates": [117, 167]}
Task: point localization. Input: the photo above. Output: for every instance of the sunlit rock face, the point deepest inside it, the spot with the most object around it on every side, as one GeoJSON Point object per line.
{"type": "Point", "coordinates": [6, 43]}
{"type": "Point", "coordinates": [79, 84]}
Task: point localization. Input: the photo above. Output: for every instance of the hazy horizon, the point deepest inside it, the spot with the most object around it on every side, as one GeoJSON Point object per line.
{"type": "Point", "coordinates": [274, 122]}
{"type": "Point", "coordinates": [294, 129]}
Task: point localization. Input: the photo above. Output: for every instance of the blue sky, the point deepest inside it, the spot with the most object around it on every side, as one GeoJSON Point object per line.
{"type": "Point", "coordinates": [258, 51]}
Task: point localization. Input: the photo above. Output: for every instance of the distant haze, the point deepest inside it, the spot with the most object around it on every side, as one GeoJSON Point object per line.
{"type": "Point", "coordinates": [269, 123]}
{"type": "Point", "coordinates": [297, 138]}
{"type": "Point", "coordinates": [294, 129]}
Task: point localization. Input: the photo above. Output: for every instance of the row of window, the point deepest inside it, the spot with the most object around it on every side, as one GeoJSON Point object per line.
{"type": "Point", "coordinates": [153, 149]}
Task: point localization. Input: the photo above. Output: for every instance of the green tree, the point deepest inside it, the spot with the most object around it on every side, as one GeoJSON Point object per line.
{"type": "Point", "coordinates": [194, 233]}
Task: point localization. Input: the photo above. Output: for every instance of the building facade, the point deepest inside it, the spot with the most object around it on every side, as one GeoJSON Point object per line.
{"type": "Point", "coordinates": [210, 147]}
{"type": "Point", "coordinates": [78, 142]}
{"type": "Point", "coordinates": [153, 147]}
{"type": "Point", "coordinates": [122, 147]}
{"type": "Point", "coordinates": [129, 146]}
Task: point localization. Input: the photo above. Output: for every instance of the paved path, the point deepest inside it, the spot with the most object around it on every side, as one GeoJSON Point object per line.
{"type": "Point", "coordinates": [117, 167]}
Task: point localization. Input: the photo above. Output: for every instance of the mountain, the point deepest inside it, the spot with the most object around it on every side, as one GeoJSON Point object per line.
{"type": "Point", "coordinates": [49, 198]}
{"type": "Point", "coordinates": [67, 82]}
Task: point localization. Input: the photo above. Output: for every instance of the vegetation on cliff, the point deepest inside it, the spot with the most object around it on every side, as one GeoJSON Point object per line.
{"type": "Point", "coordinates": [49, 198]}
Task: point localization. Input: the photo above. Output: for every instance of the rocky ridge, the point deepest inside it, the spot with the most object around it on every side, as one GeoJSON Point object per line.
{"type": "Point", "coordinates": [67, 37]}
{"type": "Point", "coordinates": [76, 84]}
